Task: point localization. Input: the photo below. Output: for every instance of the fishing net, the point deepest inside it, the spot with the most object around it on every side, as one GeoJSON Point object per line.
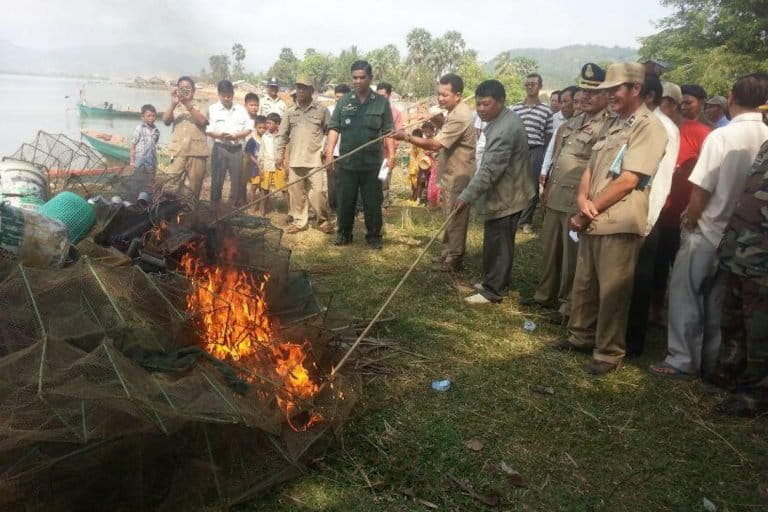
{"type": "Point", "coordinates": [110, 399]}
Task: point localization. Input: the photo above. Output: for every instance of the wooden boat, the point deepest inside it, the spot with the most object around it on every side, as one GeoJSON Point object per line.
{"type": "Point", "coordinates": [111, 146]}
{"type": "Point", "coordinates": [87, 110]}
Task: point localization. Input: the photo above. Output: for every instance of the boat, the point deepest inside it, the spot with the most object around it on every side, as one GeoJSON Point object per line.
{"type": "Point", "coordinates": [87, 110]}
{"type": "Point", "coordinates": [111, 146]}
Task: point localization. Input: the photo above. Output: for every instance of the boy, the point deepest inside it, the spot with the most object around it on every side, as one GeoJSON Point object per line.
{"type": "Point", "coordinates": [252, 150]}
{"type": "Point", "coordinates": [143, 154]}
{"type": "Point", "coordinates": [251, 103]}
{"type": "Point", "coordinates": [271, 176]}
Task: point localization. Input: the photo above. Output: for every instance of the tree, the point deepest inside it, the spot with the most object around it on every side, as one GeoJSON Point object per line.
{"type": "Point", "coordinates": [344, 63]}
{"type": "Point", "coordinates": [319, 67]}
{"type": "Point", "coordinates": [508, 65]}
{"type": "Point", "coordinates": [219, 67]}
{"type": "Point", "coordinates": [238, 54]}
{"type": "Point", "coordinates": [386, 65]}
{"type": "Point", "coordinates": [285, 68]}
{"type": "Point", "coordinates": [471, 71]}
{"type": "Point", "coordinates": [711, 42]}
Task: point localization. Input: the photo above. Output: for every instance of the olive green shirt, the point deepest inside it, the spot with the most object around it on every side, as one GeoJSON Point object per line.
{"type": "Point", "coordinates": [358, 123]}
{"type": "Point", "coordinates": [635, 144]}
{"type": "Point", "coordinates": [503, 184]}
{"type": "Point", "coordinates": [573, 149]}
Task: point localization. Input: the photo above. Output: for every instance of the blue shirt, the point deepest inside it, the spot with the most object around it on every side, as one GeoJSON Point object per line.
{"type": "Point", "coordinates": [144, 140]}
{"type": "Point", "coordinates": [252, 147]}
{"type": "Point", "coordinates": [723, 121]}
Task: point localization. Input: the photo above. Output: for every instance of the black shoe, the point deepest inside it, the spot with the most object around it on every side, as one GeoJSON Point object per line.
{"type": "Point", "coordinates": [375, 243]}
{"type": "Point", "coordinates": [342, 239]}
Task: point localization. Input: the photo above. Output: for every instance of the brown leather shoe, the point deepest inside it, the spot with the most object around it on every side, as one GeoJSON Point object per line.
{"type": "Point", "coordinates": [596, 367]}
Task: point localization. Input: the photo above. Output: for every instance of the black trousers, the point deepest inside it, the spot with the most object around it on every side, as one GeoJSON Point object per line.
{"type": "Point", "coordinates": [498, 255]}
{"type": "Point", "coordinates": [226, 158]}
{"type": "Point", "coordinates": [637, 323]}
{"type": "Point", "coordinates": [348, 183]}
{"type": "Point", "coordinates": [536, 155]}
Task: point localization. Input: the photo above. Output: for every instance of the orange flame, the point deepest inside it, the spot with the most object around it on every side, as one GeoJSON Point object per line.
{"type": "Point", "coordinates": [230, 309]}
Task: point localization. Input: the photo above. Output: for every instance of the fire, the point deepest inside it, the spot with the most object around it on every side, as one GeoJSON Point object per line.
{"type": "Point", "coordinates": [230, 309]}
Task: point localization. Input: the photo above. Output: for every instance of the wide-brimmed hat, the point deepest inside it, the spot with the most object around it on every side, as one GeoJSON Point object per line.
{"type": "Point", "coordinates": [304, 80]}
{"type": "Point", "coordinates": [623, 73]}
{"type": "Point", "coordinates": [424, 163]}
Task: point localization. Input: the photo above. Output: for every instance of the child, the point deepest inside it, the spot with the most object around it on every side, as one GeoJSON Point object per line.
{"type": "Point", "coordinates": [251, 103]}
{"type": "Point", "coordinates": [271, 176]}
{"type": "Point", "coordinates": [433, 188]}
{"type": "Point", "coordinates": [143, 153]}
{"type": "Point", "coordinates": [252, 149]}
{"type": "Point", "coordinates": [416, 156]}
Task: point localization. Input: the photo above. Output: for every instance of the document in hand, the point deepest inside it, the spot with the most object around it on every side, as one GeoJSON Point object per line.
{"type": "Point", "coordinates": [383, 171]}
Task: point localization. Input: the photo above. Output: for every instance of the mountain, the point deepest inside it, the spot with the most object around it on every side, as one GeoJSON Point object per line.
{"type": "Point", "coordinates": [559, 67]}
{"type": "Point", "coordinates": [123, 60]}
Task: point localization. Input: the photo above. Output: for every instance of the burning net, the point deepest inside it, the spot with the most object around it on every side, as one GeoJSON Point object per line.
{"type": "Point", "coordinates": [181, 390]}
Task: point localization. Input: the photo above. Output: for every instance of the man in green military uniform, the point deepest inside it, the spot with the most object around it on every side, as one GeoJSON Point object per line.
{"type": "Point", "coordinates": [360, 116]}
{"type": "Point", "coordinates": [743, 361]}
{"type": "Point", "coordinates": [612, 219]}
{"type": "Point", "coordinates": [573, 149]}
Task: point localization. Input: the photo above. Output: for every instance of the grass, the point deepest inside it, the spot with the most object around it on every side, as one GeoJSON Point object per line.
{"type": "Point", "coordinates": [627, 441]}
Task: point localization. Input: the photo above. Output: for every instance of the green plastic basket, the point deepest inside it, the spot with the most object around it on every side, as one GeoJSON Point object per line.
{"type": "Point", "coordinates": [73, 211]}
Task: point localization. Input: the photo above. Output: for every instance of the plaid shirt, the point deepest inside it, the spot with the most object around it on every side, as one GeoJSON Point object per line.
{"type": "Point", "coordinates": [144, 140]}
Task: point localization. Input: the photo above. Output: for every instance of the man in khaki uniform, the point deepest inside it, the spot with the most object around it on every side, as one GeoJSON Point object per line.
{"type": "Point", "coordinates": [573, 149]}
{"type": "Point", "coordinates": [302, 130]}
{"type": "Point", "coordinates": [612, 218]}
{"type": "Point", "coordinates": [456, 142]}
{"type": "Point", "coordinates": [189, 146]}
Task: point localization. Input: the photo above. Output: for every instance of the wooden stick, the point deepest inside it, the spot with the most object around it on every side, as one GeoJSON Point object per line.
{"type": "Point", "coordinates": [321, 168]}
{"type": "Point", "coordinates": [310, 173]}
{"type": "Point", "coordinates": [362, 335]}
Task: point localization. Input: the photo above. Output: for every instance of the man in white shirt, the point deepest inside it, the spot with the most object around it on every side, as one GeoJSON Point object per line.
{"type": "Point", "coordinates": [228, 125]}
{"type": "Point", "coordinates": [696, 288]}
{"type": "Point", "coordinates": [564, 113]}
{"type": "Point", "coordinates": [272, 102]}
{"type": "Point", "coordinates": [662, 182]}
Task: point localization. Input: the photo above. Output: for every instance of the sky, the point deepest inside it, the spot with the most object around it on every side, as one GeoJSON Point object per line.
{"type": "Point", "coordinates": [263, 27]}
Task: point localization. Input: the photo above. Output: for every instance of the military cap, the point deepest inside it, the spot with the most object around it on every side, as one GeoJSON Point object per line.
{"type": "Point", "coordinates": [273, 82]}
{"type": "Point", "coordinates": [670, 90]}
{"type": "Point", "coordinates": [717, 100]}
{"type": "Point", "coordinates": [592, 76]}
{"type": "Point", "coordinates": [623, 73]}
{"type": "Point", "coordinates": [304, 80]}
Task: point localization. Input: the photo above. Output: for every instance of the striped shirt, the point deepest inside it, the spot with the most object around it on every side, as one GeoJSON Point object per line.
{"type": "Point", "coordinates": [537, 121]}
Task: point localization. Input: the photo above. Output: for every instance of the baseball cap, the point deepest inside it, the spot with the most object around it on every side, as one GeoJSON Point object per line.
{"type": "Point", "coordinates": [670, 90]}
{"type": "Point", "coordinates": [717, 100]}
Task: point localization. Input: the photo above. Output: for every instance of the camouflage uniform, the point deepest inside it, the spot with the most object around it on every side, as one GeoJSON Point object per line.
{"type": "Point", "coordinates": [743, 360]}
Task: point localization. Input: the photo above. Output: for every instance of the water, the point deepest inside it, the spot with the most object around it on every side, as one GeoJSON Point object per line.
{"type": "Point", "coordinates": [32, 103]}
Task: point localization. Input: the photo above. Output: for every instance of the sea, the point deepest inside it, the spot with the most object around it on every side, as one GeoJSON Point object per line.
{"type": "Point", "coordinates": [29, 104]}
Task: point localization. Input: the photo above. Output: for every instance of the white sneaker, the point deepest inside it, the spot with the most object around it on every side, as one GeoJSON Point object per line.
{"type": "Point", "coordinates": [477, 299]}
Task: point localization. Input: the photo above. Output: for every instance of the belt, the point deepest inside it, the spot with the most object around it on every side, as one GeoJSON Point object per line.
{"type": "Point", "coordinates": [232, 147]}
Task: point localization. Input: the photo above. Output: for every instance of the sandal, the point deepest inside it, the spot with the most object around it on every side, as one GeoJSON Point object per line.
{"type": "Point", "coordinates": [668, 371]}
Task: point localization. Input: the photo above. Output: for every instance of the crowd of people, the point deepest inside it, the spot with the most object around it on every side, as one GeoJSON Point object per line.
{"type": "Point", "coordinates": [640, 182]}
